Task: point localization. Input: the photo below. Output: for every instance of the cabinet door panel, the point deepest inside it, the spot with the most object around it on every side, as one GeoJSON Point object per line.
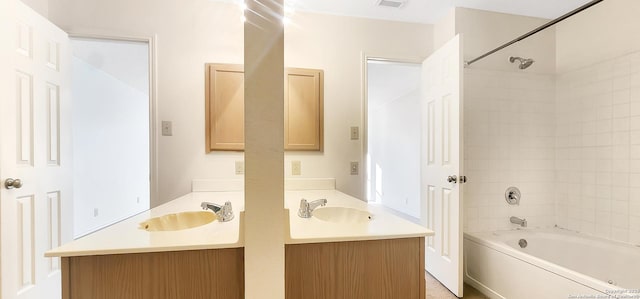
{"type": "Point", "coordinates": [303, 109]}
{"type": "Point", "coordinates": [225, 107]}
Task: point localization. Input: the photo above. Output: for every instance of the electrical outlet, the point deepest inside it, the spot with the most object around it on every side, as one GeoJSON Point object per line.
{"type": "Point", "coordinates": [167, 129]}
{"type": "Point", "coordinates": [296, 168]}
{"type": "Point", "coordinates": [355, 133]}
{"type": "Point", "coordinates": [95, 212]}
{"type": "Point", "coordinates": [239, 167]}
{"type": "Point", "coordinates": [354, 168]}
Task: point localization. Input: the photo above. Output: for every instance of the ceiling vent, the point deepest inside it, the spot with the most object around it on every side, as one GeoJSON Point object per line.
{"type": "Point", "coordinates": [392, 3]}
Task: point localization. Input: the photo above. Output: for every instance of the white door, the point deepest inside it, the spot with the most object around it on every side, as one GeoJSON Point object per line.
{"type": "Point", "coordinates": [34, 148]}
{"type": "Point", "coordinates": [441, 161]}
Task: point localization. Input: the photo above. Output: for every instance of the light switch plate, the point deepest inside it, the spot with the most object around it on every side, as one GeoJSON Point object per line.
{"type": "Point", "coordinates": [355, 133]}
{"type": "Point", "coordinates": [239, 167]}
{"type": "Point", "coordinates": [296, 168]}
{"type": "Point", "coordinates": [167, 129]}
{"type": "Point", "coordinates": [354, 168]}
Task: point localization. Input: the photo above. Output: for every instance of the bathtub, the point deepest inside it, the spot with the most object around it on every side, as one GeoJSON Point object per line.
{"type": "Point", "coordinates": [554, 263]}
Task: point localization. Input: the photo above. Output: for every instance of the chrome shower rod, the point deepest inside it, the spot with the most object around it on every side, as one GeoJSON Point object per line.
{"type": "Point", "coordinates": [534, 31]}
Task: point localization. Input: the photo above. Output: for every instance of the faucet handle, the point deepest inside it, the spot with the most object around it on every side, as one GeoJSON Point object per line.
{"type": "Point", "coordinates": [303, 211]}
{"type": "Point", "coordinates": [303, 202]}
{"type": "Point", "coordinates": [227, 212]}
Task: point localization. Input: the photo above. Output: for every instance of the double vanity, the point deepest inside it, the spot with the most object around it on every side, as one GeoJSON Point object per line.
{"type": "Point", "coordinates": [344, 249]}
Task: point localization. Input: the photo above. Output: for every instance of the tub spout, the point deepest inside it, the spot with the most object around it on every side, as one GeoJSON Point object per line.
{"type": "Point", "coordinates": [520, 221]}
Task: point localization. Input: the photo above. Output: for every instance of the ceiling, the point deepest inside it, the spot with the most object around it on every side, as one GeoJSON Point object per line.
{"type": "Point", "coordinates": [430, 11]}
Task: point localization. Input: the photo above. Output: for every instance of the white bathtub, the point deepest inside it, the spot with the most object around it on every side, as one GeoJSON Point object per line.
{"type": "Point", "coordinates": [556, 263]}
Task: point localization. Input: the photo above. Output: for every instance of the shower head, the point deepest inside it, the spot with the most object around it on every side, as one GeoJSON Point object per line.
{"type": "Point", "coordinates": [524, 62]}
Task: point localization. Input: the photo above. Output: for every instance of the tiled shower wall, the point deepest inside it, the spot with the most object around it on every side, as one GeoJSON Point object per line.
{"type": "Point", "coordinates": [598, 149]}
{"type": "Point", "coordinates": [509, 140]}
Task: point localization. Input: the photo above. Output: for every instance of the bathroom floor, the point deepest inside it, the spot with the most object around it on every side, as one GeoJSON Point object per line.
{"type": "Point", "coordinates": [435, 290]}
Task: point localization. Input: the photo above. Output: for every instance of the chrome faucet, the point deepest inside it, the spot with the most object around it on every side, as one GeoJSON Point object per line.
{"type": "Point", "coordinates": [224, 213]}
{"type": "Point", "coordinates": [307, 207]}
{"type": "Point", "coordinates": [515, 220]}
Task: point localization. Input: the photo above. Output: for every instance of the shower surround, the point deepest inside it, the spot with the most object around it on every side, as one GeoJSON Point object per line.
{"type": "Point", "coordinates": [509, 140]}
{"type": "Point", "coordinates": [598, 149]}
{"type": "Point", "coordinates": [569, 141]}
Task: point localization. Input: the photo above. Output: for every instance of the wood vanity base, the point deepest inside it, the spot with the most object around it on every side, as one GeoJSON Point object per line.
{"type": "Point", "coordinates": [195, 274]}
{"type": "Point", "coordinates": [380, 269]}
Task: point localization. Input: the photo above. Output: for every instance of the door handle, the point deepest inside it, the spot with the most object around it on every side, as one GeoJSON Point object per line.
{"type": "Point", "coordinates": [12, 183]}
{"type": "Point", "coordinates": [452, 179]}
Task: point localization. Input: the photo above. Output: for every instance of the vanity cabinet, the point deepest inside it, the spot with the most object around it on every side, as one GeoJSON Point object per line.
{"type": "Point", "coordinates": [376, 269]}
{"type": "Point", "coordinates": [211, 274]}
{"type": "Point", "coordinates": [224, 106]}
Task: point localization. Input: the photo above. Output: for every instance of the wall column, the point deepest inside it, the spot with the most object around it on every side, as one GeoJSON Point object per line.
{"type": "Point", "coordinates": [264, 153]}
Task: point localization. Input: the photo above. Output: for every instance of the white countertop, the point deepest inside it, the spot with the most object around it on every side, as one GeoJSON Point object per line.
{"type": "Point", "coordinates": [384, 225]}
{"type": "Point", "coordinates": [126, 237]}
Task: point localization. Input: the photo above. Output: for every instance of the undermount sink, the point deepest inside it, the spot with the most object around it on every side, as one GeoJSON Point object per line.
{"type": "Point", "coordinates": [342, 215]}
{"type": "Point", "coordinates": [178, 221]}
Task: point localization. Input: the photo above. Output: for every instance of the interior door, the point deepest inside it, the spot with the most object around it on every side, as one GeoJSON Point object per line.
{"type": "Point", "coordinates": [441, 163]}
{"type": "Point", "coordinates": [35, 148]}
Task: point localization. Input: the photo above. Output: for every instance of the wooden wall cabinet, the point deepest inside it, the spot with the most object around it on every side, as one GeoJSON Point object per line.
{"type": "Point", "coordinates": [224, 106]}
{"type": "Point", "coordinates": [303, 109]}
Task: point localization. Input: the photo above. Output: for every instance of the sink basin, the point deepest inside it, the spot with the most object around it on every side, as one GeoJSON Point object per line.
{"type": "Point", "coordinates": [178, 221]}
{"type": "Point", "coordinates": [342, 215]}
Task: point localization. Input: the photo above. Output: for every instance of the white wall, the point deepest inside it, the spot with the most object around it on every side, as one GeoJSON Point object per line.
{"type": "Point", "coordinates": [40, 6]}
{"type": "Point", "coordinates": [604, 31]}
{"type": "Point", "coordinates": [194, 32]}
{"type": "Point", "coordinates": [394, 135]}
{"type": "Point", "coordinates": [444, 29]}
{"type": "Point", "coordinates": [111, 148]}
{"type": "Point", "coordinates": [336, 44]}
{"type": "Point", "coordinates": [484, 31]}
{"type": "Point", "coordinates": [598, 115]}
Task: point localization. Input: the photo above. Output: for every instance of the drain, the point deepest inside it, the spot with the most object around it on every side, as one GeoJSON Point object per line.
{"type": "Point", "coordinates": [522, 243]}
